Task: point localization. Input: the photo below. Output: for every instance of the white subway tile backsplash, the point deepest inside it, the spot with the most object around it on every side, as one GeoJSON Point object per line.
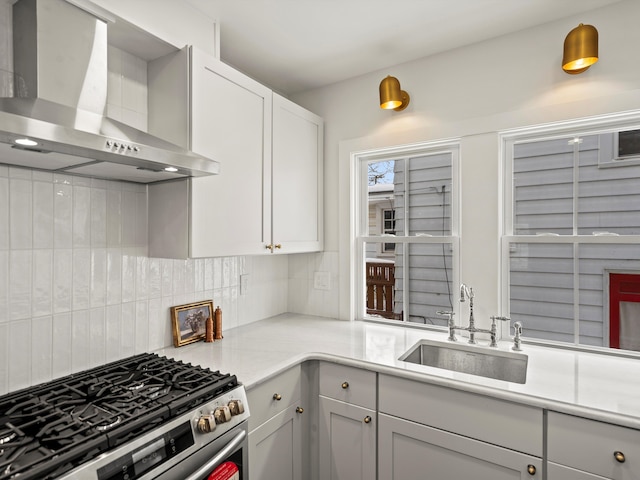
{"type": "Point", "coordinates": [97, 335]}
{"type": "Point", "coordinates": [128, 329]}
{"type": "Point", "coordinates": [41, 349]}
{"type": "Point", "coordinates": [42, 294]}
{"type": "Point", "coordinates": [43, 214]}
{"type": "Point", "coordinates": [189, 276]}
{"type": "Point", "coordinates": [128, 277]}
{"type": "Point", "coordinates": [4, 287]}
{"type": "Point", "coordinates": [81, 284]}
{"type": "Point", "coordinates": [98, 217]}
{"type": "Point", "coordinates": [20, 213]}
{"type": "Point", "coordinates": [61, 345]}
{"type": "Point", "coordinates": [142, 278]}
{"type": "Point", "coordinates": [76, 277]}
{"type": "Point", "coordinates": [81, 216]}
{"type": "Point", "coordinates": [62, 213]}
{"type": "Point", "coordinates": [114, 276]}
{"type": "Point", "coordinates": [20, 354]}
{"type": "Point", "coordinates": [98, 292]}
{"type": "Point", "coordinates": [179, 275]}
{"type": "Point", "coordinates": [155, 278]}
{"type": "Point", "coordinates": [208, 273]}
{"type": "Point", "coordinates": [80, 340]}
{"type": "Point", "coordinates": [128, 218]}
{"type": "Point", "coordinates": [114, 217]}
{"type": "Point", "coordinates": [113, 315]}
{"type": "Point", "coordinates": [62, 280]}
{"type": "Point", "coordinates": [166, 272]}
{"type": "Point", "coordinates": [20, 284]}
{"type": "Point", "coordinates": [142, 327]}
{"type": "Point", "coordinates": [4, 213]}
{"type": "Point", "coordinates": [4, 358]}
{"type": "Point", "coordinates": [217, 273]}
{"type": "Point", "coordinates": [157, 325]}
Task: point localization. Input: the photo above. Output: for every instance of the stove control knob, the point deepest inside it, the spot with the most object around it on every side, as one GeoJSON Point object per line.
{"type": "Point", "coordinates": [222, 414]}
{"type": "Point", "coordinates": [236, 407]}
{"type": "Point", "coordinates": [206, 424]}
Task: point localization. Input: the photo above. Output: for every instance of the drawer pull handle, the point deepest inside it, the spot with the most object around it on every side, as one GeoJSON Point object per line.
{"type": "Point", "coordinates": [531, 469]}
{"type": "Point", "coordinates": [367, 419]}
{"type": "Point", "coordinates": [619, 456]}
{"type": "Point", "coordinates": [299, 410]}
{"type": "Point", "coordinates": [345, 385]}
{"type": "Point", "coordinates": [277, 396]}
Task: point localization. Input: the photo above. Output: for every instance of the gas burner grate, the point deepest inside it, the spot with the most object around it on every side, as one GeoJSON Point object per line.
{"type": "Point", "coordinates": [55, 426]}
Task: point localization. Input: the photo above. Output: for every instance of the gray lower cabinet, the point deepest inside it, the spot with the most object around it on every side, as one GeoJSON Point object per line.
{"type": "Point", "coordinates": [409, 450]}
{"type": "Point", "coordinates": [275, 447]}
{"type": "Point", "coordinates": [276, 440]}
{"type": "Point", "coordinates": [560, 472]}
{"type": "Point", "coordinates": [583, 449]}
{"type": "Point", "coordinates": [347, 435]}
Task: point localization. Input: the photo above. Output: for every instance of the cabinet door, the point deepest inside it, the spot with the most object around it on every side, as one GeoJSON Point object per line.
{"type": "Point", "coordinates": [560, 472]}
{"type": "Point", "coordinates": [231, 123]}
{"type": "Point", "coordinates": [408, 450]}
{"type": "Point", "coordinates": [297, 178]}
{"type": "Point", "coordinates": [275, 448]}
{"type": "Point", "coordinates": [347, 441]}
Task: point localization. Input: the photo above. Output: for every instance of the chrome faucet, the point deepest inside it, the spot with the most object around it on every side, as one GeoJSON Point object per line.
{"type": "Point", "coordinates": [467, 293]}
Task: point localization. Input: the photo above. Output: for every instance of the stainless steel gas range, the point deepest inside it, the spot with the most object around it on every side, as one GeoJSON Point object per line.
{"type": "Point", "coordinates": [141, 418]}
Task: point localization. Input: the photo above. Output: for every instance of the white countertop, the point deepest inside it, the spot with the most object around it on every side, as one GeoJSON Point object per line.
{"type": "Point", "coordinates": [598, 386]}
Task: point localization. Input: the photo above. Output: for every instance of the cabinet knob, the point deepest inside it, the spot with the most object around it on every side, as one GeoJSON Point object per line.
{"type": "Point", "coordinates": [345, 385]}
{"type": "Point", "coordinates": [367, 419]}
{"type": "Point", "coordinates": [531, 469]}
{"type": "Point", "coordinates": [277, 396]}
{"type": "Point", "coordinates": [299, 410]}
{"type": "Point", "coordinates": [619, 456]}
{"type": "Point", "coordinates": [269, 247]}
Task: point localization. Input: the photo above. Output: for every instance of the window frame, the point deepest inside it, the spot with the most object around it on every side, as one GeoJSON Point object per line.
{"type": "Point", "coordinates": [360, 226]}
{"type": "Point", "coordinates": [575, 128]}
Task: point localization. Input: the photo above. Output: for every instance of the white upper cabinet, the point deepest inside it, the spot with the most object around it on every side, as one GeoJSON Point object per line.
{"type": "Point", "coordinates": [297, 178]}
{"type": "Point", "coordinates": [268, 196]}
{"type": "Point", "coordinates": [231, 121]}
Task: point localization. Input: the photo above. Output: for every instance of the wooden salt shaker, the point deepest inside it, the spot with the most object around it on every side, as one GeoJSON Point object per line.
{"type": "Point", "coordinates": [218, 323]}
{"type": "Point", "coordinates": [209, 330]}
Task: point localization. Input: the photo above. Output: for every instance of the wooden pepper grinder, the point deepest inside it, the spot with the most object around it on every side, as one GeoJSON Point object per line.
{"type": "Point", "coordinates": [218, 323]}
{"type": "Point", "coordinates": [209, 330]}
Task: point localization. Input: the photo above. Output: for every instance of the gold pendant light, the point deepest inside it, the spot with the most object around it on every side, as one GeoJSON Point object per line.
{"type": "Point", "coordinates": [391, 96]}
{"type": "Point", "coordinates": [580, 49]}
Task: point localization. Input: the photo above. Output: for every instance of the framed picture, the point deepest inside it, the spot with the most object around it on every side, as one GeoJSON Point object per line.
{"type": "Point", "coordinates": [190, 322]}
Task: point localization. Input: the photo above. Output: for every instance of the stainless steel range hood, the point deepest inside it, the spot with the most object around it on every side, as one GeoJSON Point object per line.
{"type": "Point", "coordinates": [59, 99]}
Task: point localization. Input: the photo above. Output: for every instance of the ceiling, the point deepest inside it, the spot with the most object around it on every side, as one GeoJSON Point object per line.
{"type": "Point", "coordinates": [297, 45]}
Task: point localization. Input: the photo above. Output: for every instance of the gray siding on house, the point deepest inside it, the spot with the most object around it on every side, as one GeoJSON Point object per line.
{"type": "Point", "coordinates": [606, 196]}
{"type": "Point", "coordinates": [428, 191]}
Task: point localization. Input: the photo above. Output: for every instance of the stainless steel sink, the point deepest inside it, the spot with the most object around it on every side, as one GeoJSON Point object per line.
{"type": "Point", "coordinates": [474, 360]}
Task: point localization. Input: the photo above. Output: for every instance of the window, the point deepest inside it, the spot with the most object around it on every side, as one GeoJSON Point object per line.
{"type": "Point", "coordinates": [388, 228]}
{"type": "Point", "coordinates": [407, 194]}
{"type": "Point", "coordinates": [570, 227]}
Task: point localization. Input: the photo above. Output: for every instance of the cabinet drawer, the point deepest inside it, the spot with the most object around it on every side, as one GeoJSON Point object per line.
{"type": "Point", "coordinates": [348, 384]}
{"type": "Point", "coordinates": [590, 446]}
{"type": "Point", "coordinates": [274, 396]}
{"type": "Point", "coordinates": [510, 425]}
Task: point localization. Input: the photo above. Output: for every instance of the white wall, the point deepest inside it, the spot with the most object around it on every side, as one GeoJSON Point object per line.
{"type": "Point", "coordinates": [473, 93]}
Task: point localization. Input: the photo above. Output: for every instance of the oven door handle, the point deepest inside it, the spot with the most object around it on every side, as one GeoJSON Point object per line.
{"type": "Point", "coordinates": [220, 457]}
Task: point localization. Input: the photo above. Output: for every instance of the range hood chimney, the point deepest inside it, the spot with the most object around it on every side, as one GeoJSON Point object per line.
{"type": "Point", "coordinates": [58, 103]}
